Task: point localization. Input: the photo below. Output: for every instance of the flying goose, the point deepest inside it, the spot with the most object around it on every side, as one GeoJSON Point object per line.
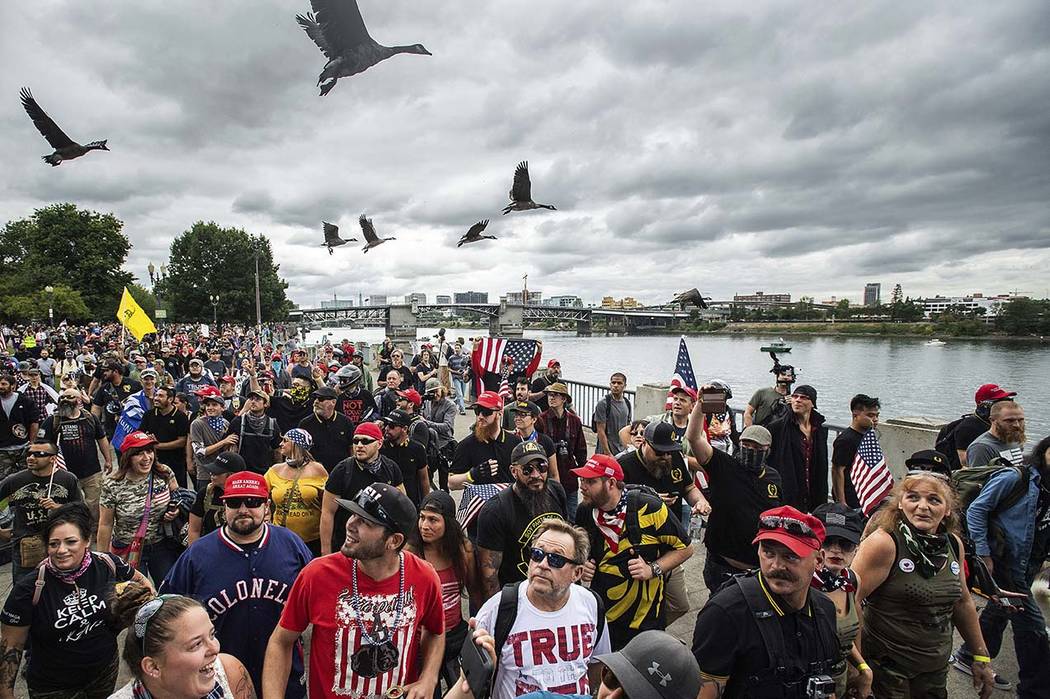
{"type": "Point", "coordinates": [331, 237]}
{"type": "Point", "coordinates": [692, 296]}
{"type": "Point", "coordinates": [65, 147]}
{"type": "Point", "coordinates": [473, 235]}
{"type": "Point", "coordinates": [521, 192]}
{"type": "Point", "coordinates": [340, 32]}
{"type": "Point", "coordinates": [371, 239]}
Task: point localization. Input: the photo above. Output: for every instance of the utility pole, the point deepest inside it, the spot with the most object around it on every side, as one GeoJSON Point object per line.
{"type": "Point", "coordinates": [525, 290]}
{"type": "Point", "coordinates": [258, 301]}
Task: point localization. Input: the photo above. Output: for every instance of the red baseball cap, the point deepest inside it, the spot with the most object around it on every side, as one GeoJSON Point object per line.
{"type": "Point", "coordinates": [691, 392]}
{"type": "Point", "coordinates": [245, 484]}
{"type": "Point", "coordinates": [276, 355]}
{"type": "Point", "coordinates": [490, 400]}
{"type": "Point", "coordinates": [412, 396]}
{"type": "Point", "coordinates": [599, 466]}
{"type": "Point", "coordinates": [136, 440]}
{"type": "Point", "coordinates": [369, 429]}
{"type": "Point", "coordinates": [992, 391]}
{"type": "Point", "coordinates": [553, 362]}
{"type": "Point", "coordinates": [208, 393]}
{"type": "Point", "coordinates": [801, 533]}
{"type": "Point", "coordinates": [227, 379]}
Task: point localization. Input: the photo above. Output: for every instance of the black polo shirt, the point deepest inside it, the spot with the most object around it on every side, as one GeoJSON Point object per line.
{"type": "Point", "coordinates": [331, 438]}
{"type": "Point", "coordinates": [168, 428]}
{"type": "Point", "coordinates": [678, 478]}
{"type": "Point", "coordinates": [728, 645]}
{"type": "Point", "coordinates": [411, 457]}
{"type": "Point", "coordinates": [737, 498]}
{"type": "Point", "coordinates": [349, 478]}
{"type": "Point", "coordinates": [471, 453]}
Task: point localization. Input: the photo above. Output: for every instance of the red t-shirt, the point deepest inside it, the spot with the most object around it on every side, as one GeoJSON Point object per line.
{"type": "Point", "coordinates": [321, 596]}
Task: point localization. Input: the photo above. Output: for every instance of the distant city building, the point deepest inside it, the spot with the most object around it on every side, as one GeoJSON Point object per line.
{"type": "Point", "coordinates": [565, 301]}
{"type": "Point", "coordinates": [417, 297]}
{"type": "Point", "coordinates": [625, 302]}
{"type": "Point", "coordinates": [377, 300]}
{"type": "Point", "coordinates": [443, 298]}
{"type": "Point", "coordinates": [992, 305]}
{"type": "Point", "coordinates": [872, 294]}
{"type": "Point", "coordinates": [761, 297]}
{"type": "Point", "coordinates": [515, 298]}
{"type": "Point", "coordinates": [471, 297]}
{"type": "Point", "coordinates": [337, 303]}
{"type": "Point", "coordinates": [832, 301]}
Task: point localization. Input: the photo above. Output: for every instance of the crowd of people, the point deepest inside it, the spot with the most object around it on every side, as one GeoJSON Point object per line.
{"type": "Point", "coordinates": [217, 495]}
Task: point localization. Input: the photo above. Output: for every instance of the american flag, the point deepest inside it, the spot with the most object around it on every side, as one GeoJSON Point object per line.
{"type": "Point", "coordinates": [683, 372]}
{"type": "Point", "coordinates": [3, 343]}
{"type": "Point", "coordinates": [490, 352]}
{"type": "Point", "coordinates": [871, 477]}
{"type": "Point", "coordinates": [475, 495]}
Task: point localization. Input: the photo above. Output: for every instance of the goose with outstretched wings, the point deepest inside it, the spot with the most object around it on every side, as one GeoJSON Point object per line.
{"type": "Point", "coordinates": [521, 192]}
{"type": "Point", "coordinates": [371, 239]}
{"type": "Point", "coordinates": [331, 237]}
{"type": "Point", "coordinates": [65, 147]}
{"type": "Point", "coordinates": [473, 234]}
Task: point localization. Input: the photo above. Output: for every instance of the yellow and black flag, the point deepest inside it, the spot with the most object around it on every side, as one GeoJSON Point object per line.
{"type": "Point", "coordinates": [132, 317]}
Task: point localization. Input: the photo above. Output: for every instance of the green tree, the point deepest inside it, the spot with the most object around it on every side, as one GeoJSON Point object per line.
{"type": "Point", "coordinates": [1022, 316]}
{"type": "Point", "coordinates": [210, 260]}
{"type": "Point", "coordinates": [145, 298]}
{"type": "Point", "coordinates": [62, 245]}
{"type": "Point", "coordinates": [66, 303]}
{"type": "Point", "coordinates": [898, 295]}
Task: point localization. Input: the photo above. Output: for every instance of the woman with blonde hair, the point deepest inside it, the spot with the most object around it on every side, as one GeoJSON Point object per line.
{"type": "Point", "coordinates": [913, 586]}
{"type": "Point", "coordinates": [297, 488]}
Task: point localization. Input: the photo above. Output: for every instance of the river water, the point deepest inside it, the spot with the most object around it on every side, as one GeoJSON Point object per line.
{"type": "Point", "coordinates": [909, 378]}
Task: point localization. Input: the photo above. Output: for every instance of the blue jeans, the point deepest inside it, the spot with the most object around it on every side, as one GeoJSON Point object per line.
{"type": "Point", "coordinates": [1030, 643]}
{"type": "Point", "coordinates": [572, 501]}
{"type": "Point", "coordinates": [461, 393]}
{"type": "Point", "coordinates": [158, 559]}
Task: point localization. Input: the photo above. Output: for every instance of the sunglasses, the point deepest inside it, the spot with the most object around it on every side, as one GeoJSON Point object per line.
{"type": "Point", "coordinates": [793, 526]}
{"type": "Point", "coordinates": [483, 412]}
{"type": "Point", "coordinates": [250, 503]}
{"type": "Point", "coordinates": [363, 440]}
{"type": "Point", "coordinates": [538, 467]}
{"type": "Point", "coordinates": [554, 560]}
{"type": "Point", "coordinates": [41, 454]}
{"type": "Point", "coordinates": [609, 679]}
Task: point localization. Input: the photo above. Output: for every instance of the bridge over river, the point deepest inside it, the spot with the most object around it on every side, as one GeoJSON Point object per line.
{"type": "Point", "coordinates": [505, 319]}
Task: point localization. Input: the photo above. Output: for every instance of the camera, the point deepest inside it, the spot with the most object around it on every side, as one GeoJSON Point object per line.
{"type": "Point", "coordinates": [820, 687]}
{"type": "Point", "coordinates": [562, 447]}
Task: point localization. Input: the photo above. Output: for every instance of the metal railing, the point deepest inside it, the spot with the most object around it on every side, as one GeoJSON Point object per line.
{"type": "Point", "coordinates": [586, 396]}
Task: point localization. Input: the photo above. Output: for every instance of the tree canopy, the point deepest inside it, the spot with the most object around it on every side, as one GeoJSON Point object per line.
{"type": "Point", "coordinates": [78, 252]}
{"type": "Point", "coordinates": [211, 260]}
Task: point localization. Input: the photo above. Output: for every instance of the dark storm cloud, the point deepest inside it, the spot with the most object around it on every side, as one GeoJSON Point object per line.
{"type": "Point", "coordinates": [884, 141]}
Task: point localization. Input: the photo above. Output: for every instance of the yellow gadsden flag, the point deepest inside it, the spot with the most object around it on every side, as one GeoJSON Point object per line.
{"type": "Point", "coordinates": [131, 315]}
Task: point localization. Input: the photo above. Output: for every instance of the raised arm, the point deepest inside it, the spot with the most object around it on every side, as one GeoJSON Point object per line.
{"type": "Point", "coordinates": [697, 438]}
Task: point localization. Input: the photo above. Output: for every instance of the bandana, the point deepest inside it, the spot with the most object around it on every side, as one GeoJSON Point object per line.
{"type": "Point", "coordinates": [371, 466]}
{"type": "Point", "coordinates": [827, 581]}
{"type": "Point", "coordinates": [611, 523]}
{"type": "Point", "coordinates": [299, 437]}
{"type": "Point", "coordinates": [69, 577]}
{"type": "Point", "coordinates": [929, 551]}
{"type": "Point", "coordinates": [217, 424]}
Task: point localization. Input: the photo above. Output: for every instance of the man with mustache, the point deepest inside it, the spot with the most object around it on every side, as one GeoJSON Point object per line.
{"type": "Point", "coordinates": [242, 573]}
{"type": "Point", "coordinates": [17, 426]}
{"type": "Point", "coordinates": [1004, 438]}
{"type": "Point", "coordinates": [776, 607]}
{"type": "Point", "coordinates": [507, 521]}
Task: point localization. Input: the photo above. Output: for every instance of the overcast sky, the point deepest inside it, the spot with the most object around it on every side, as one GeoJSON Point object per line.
{"type": "Point", "coordinates": [781, 146]}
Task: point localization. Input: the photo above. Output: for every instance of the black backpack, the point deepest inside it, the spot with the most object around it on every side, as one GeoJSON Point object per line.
{"type": "Point", "coordinates": [608, 408]}
{"type": "Point", "coordinates": [945, 443]}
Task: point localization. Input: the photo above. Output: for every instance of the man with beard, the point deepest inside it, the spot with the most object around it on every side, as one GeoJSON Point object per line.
{"type": "Point", "coordinates": [376, 612]}
{"type": "Point", "coordinates": [170, 428]}
{"type": "Point", "coordinates": [510, 519]}
{"type": "Point", "coordinates": [254, 434]}
{"type": "Point", "coordinates": [16, 427]}
{"type": "Point", "coordinates": [484, 456]}
{"type": "Point", "coordinates": [635, 540]}
{"type": "Point", "coordinates": [1004, 438]}
{"type": "Point", "coordinates": [194, 381]}
{"type": "Point", "coordinates": [232, 403]}
{"type": "Point", "coordinates": [290, 407]}
{"type": "Point", "coordinates": [538, 390]}
{"type": "Point", "coordinates": [80, 437]}
{"type": "Point", "coordinates": [740, 488]}
{"type": "Point", "coordinates": [32, 494]}
{"type": "Point", "coordinates": [387, 397]}
{"type": "Point", "coordinates": [241, 573]}
{"type": "Point", "coordinates": [767, 403]}
{"type": "Point", "coordinates": [729, 640]}
{"type": "Point", "coordinates": [350, 476]}
{"type": "Point", "coordinates": [330, 429]}
{"type": "Point", "coordinates": [353, 401]}
{"type": "Point", "coordinates": [799, 451]}
{"type": "Point", "coordinates": [408, 454]}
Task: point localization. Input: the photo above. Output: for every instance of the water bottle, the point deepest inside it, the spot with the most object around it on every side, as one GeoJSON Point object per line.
{"type": "Point", "coordinates": [696, 527]}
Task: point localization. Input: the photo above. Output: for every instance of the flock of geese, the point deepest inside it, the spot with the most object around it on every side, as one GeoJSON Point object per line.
{"type": "Point", "coordinates": [339, 31]}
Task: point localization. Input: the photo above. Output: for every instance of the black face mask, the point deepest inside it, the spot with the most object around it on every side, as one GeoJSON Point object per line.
{"type": "Point", "coordinates": [751, 459]}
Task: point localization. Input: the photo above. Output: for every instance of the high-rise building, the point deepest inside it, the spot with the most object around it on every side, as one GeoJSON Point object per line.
{"type": "Point", "coordinates": [515, 298]}
{"type": "Point", "coordinates": [872, 293]}
{"type": "Point", "coordinates": [377, 300]}
{"type": "Point", "coordinates": [338, 303]}
{"type": "Point", "coordinates": [443, 298]}
{"type": "Point", "coordinates": [565, 301]}
{"type": "Point", "coordinates": [416, 297]}
{"type": "Point", "coordinates": [471, 297]}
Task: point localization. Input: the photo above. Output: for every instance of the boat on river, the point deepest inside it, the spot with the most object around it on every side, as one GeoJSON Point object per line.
{"type": "Point", "coordinates": [778, 346]}
{"type": "Point", "coordinates": [935, 343]}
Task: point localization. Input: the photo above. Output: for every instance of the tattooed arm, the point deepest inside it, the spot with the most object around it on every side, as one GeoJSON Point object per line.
{"type": "Point", "coordinates": [12, 641]}
{"type": "Point", "coordinates": [711, 688]}
{"type": "Point", "coordinates": [489, 562]}
{"type": "Point", "coordinates": [238, 677]}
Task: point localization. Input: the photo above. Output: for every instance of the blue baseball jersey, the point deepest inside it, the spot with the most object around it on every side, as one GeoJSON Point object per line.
{"type": "Point", "coordinates": [244, 589]}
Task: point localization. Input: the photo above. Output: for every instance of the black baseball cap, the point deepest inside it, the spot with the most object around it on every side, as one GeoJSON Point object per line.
{"type": "Point", "coordinates": [654, 665]}
{"type": "Point", "coordinates": [326, 393]}
{"type": "Point", "coordinates": [526, 452]}
{"type": "Point", "coordinates": [841, 521]}
{"type": "Point", "coordinates": [660, 436]}
{"type": "Point", "coordinates": [383, 504]}
{"type": "Point", "coordinates": [524, 406]}
{"type": "Point", "coordinates": [226, 462]}
{"type": "Point", "coordinates": [397, 418]}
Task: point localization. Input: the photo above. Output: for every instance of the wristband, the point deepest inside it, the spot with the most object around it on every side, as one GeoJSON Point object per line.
{"type": "Point", "coordinates": [981, 659]}
{"type": "Point", "coordinates": [863, 666]}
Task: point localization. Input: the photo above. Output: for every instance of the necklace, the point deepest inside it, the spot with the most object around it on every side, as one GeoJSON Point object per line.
{"type": "Point", "coordinates": [378, 654]}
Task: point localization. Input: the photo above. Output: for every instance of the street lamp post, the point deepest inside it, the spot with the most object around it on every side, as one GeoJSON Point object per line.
{"type": "Point", "coordinates": [50, 304]}
{"type": "Point", "coordinates": [214, 298]}
{"type": "Point", "coordinates": [152, 273]}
